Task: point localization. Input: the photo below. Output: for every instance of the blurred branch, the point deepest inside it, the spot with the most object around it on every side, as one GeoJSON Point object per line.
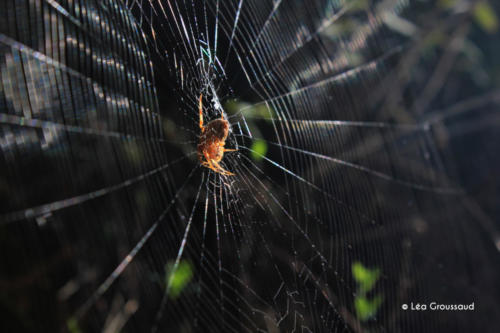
{"type": "Point", "coordinates": [443, 68]}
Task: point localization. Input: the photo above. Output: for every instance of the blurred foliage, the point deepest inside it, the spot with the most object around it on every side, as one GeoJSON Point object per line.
{"type": "Point", "coordinates": [259, 149]}
{"type": "Point", "coordinates": [367, 308]}
{"type": "Point", "coordinates": [366, 279]}
{"type": "Point", "coordinates": [178, 279]}
{"type": "Point", "coordinates": [259, 110]}
{"type": "Point", "coordinates": [485, 17]}
{"type": "Point", "coordinates": [73, 326]}
{"type": "Point", "coordinates": [253, 113]}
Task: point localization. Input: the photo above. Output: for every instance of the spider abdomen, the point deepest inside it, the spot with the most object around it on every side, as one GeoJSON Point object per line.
{"type": "Point", "coordinates": [213, 139]}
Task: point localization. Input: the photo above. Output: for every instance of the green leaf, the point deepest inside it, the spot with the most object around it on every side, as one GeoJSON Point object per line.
{"type": "Point", "coordinates": [178, 279]}
{"type": "Point", "coordinates": [259, 149]}
{"type": "Point", "coordinates": [365, 277]}
{"type": "Point", "coordinates": [447, 3]}
{"type": "Point", "coordinates": [367, 308]}
{"type": "Point", "coordinates": [486, 17]}
{"type": "Point", "coordinates": [72, 325]}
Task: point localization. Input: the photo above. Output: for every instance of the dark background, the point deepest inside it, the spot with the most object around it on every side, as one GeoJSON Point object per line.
{"type": "Point", "coordinates": [112, 109]}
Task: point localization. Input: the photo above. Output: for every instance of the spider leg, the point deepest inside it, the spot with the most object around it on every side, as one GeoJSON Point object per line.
{"type": "Point", "coordinates": [226, 149]}
{"type": "Point", "coordinates": [209, 164]}
{"type": "Point", "coordinates": [222, 170]}
{"type": "Point", "coordinates": [212, 166]}
{"type": "Point", "coordinates": [201, 113]}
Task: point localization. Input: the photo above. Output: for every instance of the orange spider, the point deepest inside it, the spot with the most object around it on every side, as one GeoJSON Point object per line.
{"type": "Point", "coordinates": [212, 140]}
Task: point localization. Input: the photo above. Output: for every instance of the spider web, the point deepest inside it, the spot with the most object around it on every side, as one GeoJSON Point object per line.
{"type": "Point", "coordinates": [353, 137]}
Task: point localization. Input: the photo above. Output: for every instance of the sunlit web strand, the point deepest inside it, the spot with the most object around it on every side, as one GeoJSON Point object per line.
{"type": "Point", "coordinates": [131, 255]}
{"type": "Point", "coordinates": [237, 223]}
{"type": "Point", "coordinates": [164, 300]}
{"type": "Point", "coordinates": [49, 125]}
{"type": "Point", "coordinates": [268, 20]}
{"type": "Point", "coordinates": [229, 214]}
{"type": "Point", "coordinates": [60, 66]}
{"type": "Point", "coordinates": [202, 253]}
{"type": "Point", "coordinates": [431, 118]}
{"type": "Point", "coordinates": [194, 50]}
{"type": "Point", "coordinates": [62, 11]}
{"type": "Point", "coordinates": [65, 203]}
{"type": "Point", "coordinates": [179, 64]}
{"type": "Point", "coordinates": [338, 201]}
{"type": "Point", "coordinates": [331, 124]}
{"type": "Point", "coordinates": [263, 175]}
{"type": "Point", "coordinates": [147, 37]}
{"type": "Point", "coordinates": [204, 315]}
{"type": "Point", "coordinates": [257, 52]}
{"type": "Point", "coordinates": [287, 214]}
{"type": "Point", "coordinates": [437, 116]}
{"type": "Point", "coordinates": [219, 252]}
{"type": "Point", "coordinates": [369, 66]}
{"type": "Point", "coordinates": [223, 215]}
{"type": "Point", "coordinates": [236, 20]}
{"type": "Point", "coordinates": [210, 294]}
{"type": "Point", "coordinates": [323, 26]}
{"type": "Point", "coordinates": [304, 234]}
{"type": "Point", "coordinates": [261, 202]}
{"type": "Point", "coordinates": [182, 32]}
{"type": "Point", "coordinates": [441, 190]}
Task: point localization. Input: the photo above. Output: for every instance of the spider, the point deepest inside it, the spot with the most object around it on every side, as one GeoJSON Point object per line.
{"type": "Point", "coordinates": [212, 140]}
